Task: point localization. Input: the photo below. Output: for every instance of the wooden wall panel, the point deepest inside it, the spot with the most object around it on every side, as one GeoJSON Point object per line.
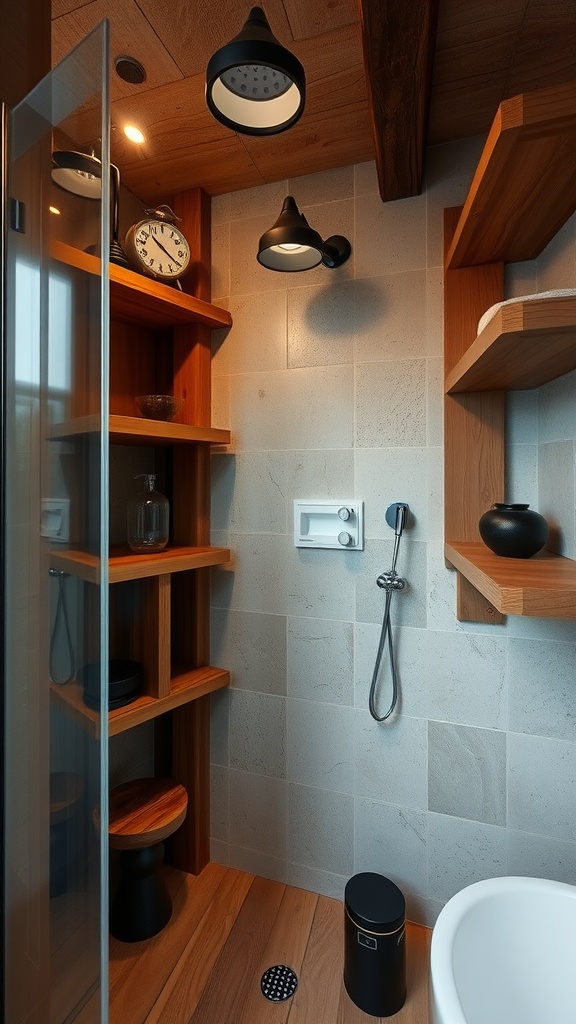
{"type": "Point", "coordinates": [25, 34]}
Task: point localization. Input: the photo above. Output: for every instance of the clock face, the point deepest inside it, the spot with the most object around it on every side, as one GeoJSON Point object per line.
{"type": "Point", "coordinates": [160, 249]}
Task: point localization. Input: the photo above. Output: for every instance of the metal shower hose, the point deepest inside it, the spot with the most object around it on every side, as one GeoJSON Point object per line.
{"type": "Point", "coordinates": [389, 582]}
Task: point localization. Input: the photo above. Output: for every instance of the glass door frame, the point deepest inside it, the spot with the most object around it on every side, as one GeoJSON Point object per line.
{"type": "Point", "coordinates": [48, 106]}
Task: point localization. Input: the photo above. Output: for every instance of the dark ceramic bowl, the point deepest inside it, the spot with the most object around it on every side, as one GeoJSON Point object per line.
{"type": "Point", "coordinates": [158, 407]}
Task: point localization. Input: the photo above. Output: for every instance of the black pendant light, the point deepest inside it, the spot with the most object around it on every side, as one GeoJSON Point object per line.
{"type": "Point", "coordinates": [253, 84]}
{"type": "Point", "coordinates": [81, 173]}
{"type": "Point", "coordinates": [292, 245]}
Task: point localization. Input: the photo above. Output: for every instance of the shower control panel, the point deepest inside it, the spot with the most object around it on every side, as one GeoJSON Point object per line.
{"type": "Point", "coordinates": [329, 524]}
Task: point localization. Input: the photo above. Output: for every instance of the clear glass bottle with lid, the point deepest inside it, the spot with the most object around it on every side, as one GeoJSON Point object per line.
{"type": "Point", "coordinates": [148, 518]}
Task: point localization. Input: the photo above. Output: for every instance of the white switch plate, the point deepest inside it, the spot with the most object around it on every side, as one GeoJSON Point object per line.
{"type": "Point", "coordinates": [55, 519]}
{"type": "Point", "coordinates": [329, 524]}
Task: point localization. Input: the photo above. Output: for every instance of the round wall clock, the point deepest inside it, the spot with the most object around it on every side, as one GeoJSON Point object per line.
{"type": "Point", "coordinates": [156, 246]}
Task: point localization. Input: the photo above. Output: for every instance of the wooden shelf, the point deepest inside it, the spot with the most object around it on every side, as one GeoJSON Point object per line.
{"type": "Point", "coordinates": [185, 687]}
{"type": "Point", "coordinates": [524, 188]}
{"type": "Point", "coordinates": [139, 430]}
{"type": "Point", "coordinates": [159, 341]}
{"type": "Point", "coordinates": [141, 300]}
{"type": "Point", "coordinates": [526, 344]}
{"type": "Point", "coordinates": [125, 565]}
{"type": "Point", "coordinates": [543, 586]}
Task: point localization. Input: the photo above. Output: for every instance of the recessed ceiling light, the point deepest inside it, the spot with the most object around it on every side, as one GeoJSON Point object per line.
{"type": "Point", "coordinates": [133, 133]}
{"type": "Point", "coordinates": [130, 70]}
{"type": "Point", "coordinates": [54, 209]}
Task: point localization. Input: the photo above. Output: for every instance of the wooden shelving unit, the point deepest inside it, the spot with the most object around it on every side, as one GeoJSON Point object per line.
{"type": "Point", "coordinates": [160, 343]}
{"type": "Point", "coordinates": [523, 191]}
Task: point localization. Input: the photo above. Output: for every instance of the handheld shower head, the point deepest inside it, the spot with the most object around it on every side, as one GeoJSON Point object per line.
{"type": "Point", "coordinates": [397, 517]}
{"type": "Point", "coordinates": [400, 520]}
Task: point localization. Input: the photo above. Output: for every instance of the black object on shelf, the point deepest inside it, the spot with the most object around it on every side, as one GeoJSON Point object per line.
{"type": "Point", "coordinates": [125, 683]}
{"type": "Point", "coordinates": [513, 530]}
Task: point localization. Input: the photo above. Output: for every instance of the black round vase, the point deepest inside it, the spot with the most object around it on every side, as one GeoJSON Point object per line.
{"type": "Point", "coordinates": [513, 531]}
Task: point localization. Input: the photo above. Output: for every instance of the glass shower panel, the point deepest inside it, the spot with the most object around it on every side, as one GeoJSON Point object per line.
{"type": "Point", "coordinates": [56, 554]}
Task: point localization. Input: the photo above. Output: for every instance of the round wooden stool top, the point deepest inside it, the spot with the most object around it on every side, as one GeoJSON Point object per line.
{"type": "Point", "coordinates": [144, 812]}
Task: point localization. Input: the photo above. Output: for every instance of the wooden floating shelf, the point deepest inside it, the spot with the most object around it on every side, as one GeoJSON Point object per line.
{"type": "Point", "coordinates": [543, 586]}
{"type": "Point", "coordinates": [184, 687]}
{"type": "Point", "coordinates": [141, 300]}
{"type": "Point", "coordinates": [526, 344]}
{"type": "Point", "coordinates": [125, 565]}
{"type": "Point", "coordinates": [139, 430]}
{"type": "Point", "coordinates": [524, 188]}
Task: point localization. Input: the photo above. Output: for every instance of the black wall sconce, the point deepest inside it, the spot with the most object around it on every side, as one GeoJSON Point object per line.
{"type": "Point", "coordinates": [81, 173]}
{"type": "Point", "coordinates": [253, 84]}
{"type": "Point", "coordinates": [292, 245]}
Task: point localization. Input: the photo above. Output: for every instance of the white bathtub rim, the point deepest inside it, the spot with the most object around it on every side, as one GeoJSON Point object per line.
{"type": "Point", "coordinates": [445, 998]}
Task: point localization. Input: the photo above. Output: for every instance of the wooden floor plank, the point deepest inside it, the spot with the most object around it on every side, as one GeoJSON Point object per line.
{"type": "Point", "coordinates": [317, 997]}
{"type": "Point", "coordinates": [416, 1007]}
{"type": "Point", "coordinates": [75, 952]}
{"type": "Point", "coordinates": [286, 945]}
{"type": "Point", "coordinates": [229, 985]}
{"type": "Point", "coordinates": [181, 994]}
{"type": "Point", "coordinates": [90, 1011]}
{"type": "Point", "coordinates": [139, 970]}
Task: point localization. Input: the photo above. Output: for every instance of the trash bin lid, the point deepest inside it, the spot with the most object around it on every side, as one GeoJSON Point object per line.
{"type": "Point", "coordinates": [374, 902]}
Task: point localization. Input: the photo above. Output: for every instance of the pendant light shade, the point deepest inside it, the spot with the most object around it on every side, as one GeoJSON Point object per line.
{"type": "Point", "coordinates": [81, 173]}
{"type": "Point", "coordinates": [253, 84]}
{"type": "Point", "coordinates": [292, 245]}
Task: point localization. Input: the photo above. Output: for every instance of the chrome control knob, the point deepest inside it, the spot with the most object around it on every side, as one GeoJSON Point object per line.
{"type": "Point", "coordinates": [344, 513]}
{"type": "Point", "coordinates": [344, 538]}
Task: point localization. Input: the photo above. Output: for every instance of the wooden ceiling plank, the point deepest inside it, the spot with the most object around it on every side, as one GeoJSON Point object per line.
{"type": "Point", "coordinates": [193, 31]}
{"type": "Point", "coordinates": [398, 42]}
{"type": "Point", "coordinates": [460, 22]}
{"type": "Point", "coordinates": [482, 55]}
{"type": "Point", "coordinates": [130, 33]}
{"type": "Point", "coordinates": [546, 51]}
{"type": "Point", "coordinates": [462, 109]}
{"type": "Point", "coordinates": [307, 20]}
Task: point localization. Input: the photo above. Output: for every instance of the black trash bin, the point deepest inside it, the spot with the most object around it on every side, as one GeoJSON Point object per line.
{"type": "Point", "coordinates": [374, 944]}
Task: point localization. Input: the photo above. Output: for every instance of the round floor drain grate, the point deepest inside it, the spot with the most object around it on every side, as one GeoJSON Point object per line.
{"type": "Point", "coordinates": [278, 983]}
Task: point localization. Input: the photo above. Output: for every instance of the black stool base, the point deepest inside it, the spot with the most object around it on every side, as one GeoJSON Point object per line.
{"type": "Point", "coordinates": [142, 906]}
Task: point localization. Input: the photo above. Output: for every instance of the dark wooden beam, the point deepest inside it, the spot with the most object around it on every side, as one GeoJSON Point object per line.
{"type": "Point", "coordinates": [398, 39]}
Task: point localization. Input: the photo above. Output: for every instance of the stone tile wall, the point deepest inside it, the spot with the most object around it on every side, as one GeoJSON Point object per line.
{"type": "Point", "coordinates": [331, 382]}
